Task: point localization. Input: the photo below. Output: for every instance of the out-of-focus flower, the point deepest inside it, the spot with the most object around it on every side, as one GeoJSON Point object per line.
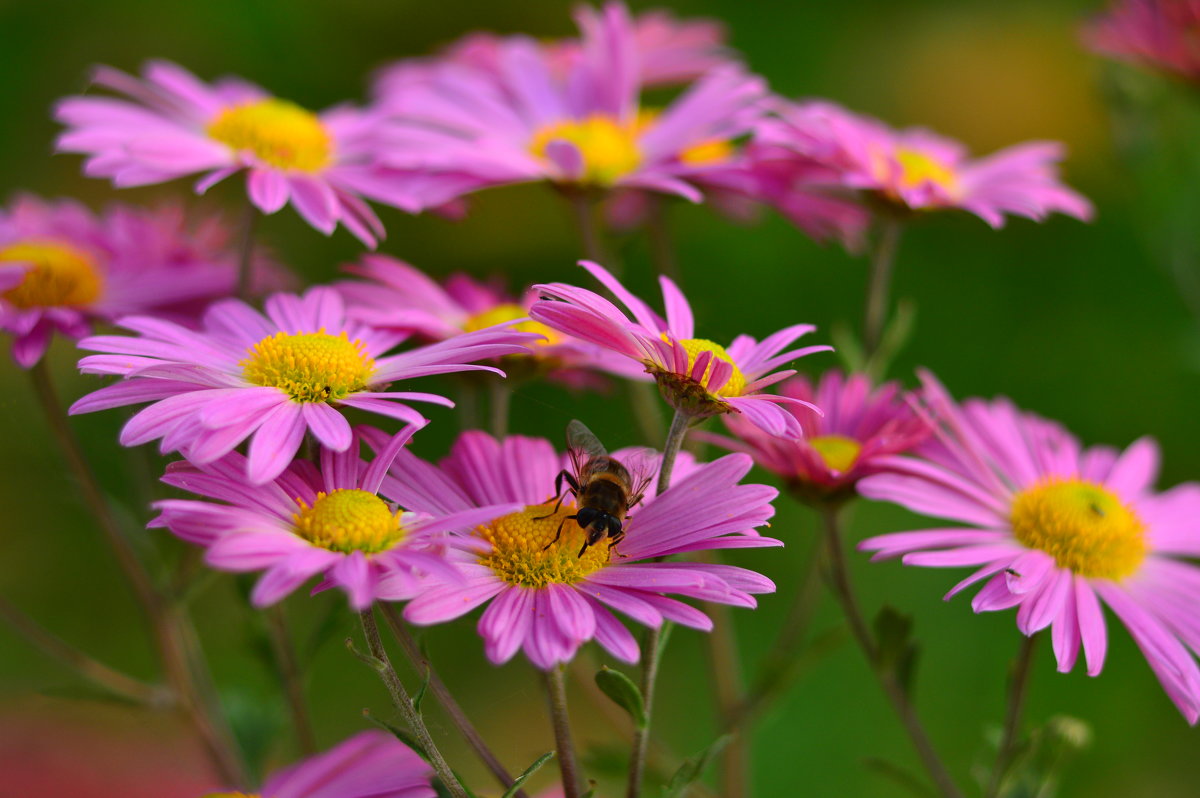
{"type": "Point", "coordinates": [269, 377]}
{"type": "Point", "coordinates": [1160, 34]}
{"type": "Point", "coordinates": [821, 146]}
{"type": "Point", "coordinates": [459, 128]}
{"type": "Point", "coordinates": [329, 519]}
{"type": "Point", "coordinates": [62, 267]}
{"type": "Point", "coordinates": [371, 764]}
{"type": "Point", "coordinates": [547, 597]}
{"type": "Point", "coordinates": [859, 430]}
{"type": "Point", "coordinates": [173, 124]}
{"type": "Point", "coordinates": [396, 296]}
{"type": "Point", "coordinates": [696, 376]}
{"type": "Point", "coordinates": [1055, 529]}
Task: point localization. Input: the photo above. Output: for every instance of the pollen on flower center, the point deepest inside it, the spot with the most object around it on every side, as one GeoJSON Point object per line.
{"type": "Point", "coordinates": [837, 451]}
{"type": "Point", "coordinates": [62, 276]}
{"type": "Point", "coordinates": [694, 346]}
{"type": "Point", "coordinates": [917, 167]}
{"type": "Point", "coordinates": [509, 311]}
{"type": "Point", "coordinates": [520, 555]}
{"type": "Point", "coordinates": [278, 132]}
{"type": "Point", "coordinates": [1084, 526]}
{"type": "Point", "coordinates": [309, 367]}
{"type": "Point", "coordinates": [608, 146]}
{"type": "Point", "coordinates": [349, 520]}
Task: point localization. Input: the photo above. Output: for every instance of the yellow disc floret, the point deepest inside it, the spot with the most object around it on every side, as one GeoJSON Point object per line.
{"type": "Point", "coordinates": [608, 146]}
{"type": "Point", "coordinates": [917, 167]}
{"type": "Point", "coordinates": [837, 451]}
{"type": "Point", "coordinates": [349, 520]}
{"type": "Point", "coordinates": [520, 555]}
{"type": "Point", "coordinates": [509, 311]}
{"type": "Point", "coordinates": [62, 276]}
{"type": "Point", "coordinates": [309, 367]}
{"type": "Point", "coordinates": [694, 346]}
{"type": "Point", "coordinates": [1083, 525]}
{"type": "Point", "coordinates": [278, 132]}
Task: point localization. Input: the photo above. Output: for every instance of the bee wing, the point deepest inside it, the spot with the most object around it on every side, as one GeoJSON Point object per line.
{"type": "Point", "coordinates": [642, 464]}
{"type": "Point", "coordinates": [582, 444]}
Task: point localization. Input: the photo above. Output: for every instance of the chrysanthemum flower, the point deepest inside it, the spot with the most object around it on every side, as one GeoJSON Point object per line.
{"type": "Point", "coordinates": [332, 520]}
{"type": "Point", "coordinates": [62, 267]}
{"type": "Point", "coordinates": [1055, 530]}
{"type": "Point", "coordinates": [696, 376]}
{"type": "Point", "coordinates": [269, 377]}
{"type": "Point", "coordinates": [543, 595]}
{"type": "Point", "coordinates": [396, 296]}
{"type": "Point", "coordinates": [460, 128]}
{"type": "Point", "coordinates": [173, 124]}
{"type": "Point", "coordinates": [1160, 34]}
{"type": "Point", "coordinates": [859, 428]}
{"type": "Point", "coordinates": [914, 169]}
{"type": "Point", "coordinates": [371, 764]}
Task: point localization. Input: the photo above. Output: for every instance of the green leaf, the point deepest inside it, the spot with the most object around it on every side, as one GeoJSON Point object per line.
{"type": "Point", "coordinates": [420, 696]}
{"type": "Point", "coordinates": [693, 767]}
{"type": "Point", "coordinates": [403, 735]}
{"type": "Point", "coordinates": [847, 347]}
{"type": "Point", "coordinates": [529, 771]}
{"type": "Point", "coordinates": [624, 693]}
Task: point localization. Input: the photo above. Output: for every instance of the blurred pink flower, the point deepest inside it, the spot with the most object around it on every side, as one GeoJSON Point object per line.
{"type": "Point", "coordinates": [1161, 34]}
{"type": "Point", "coordinates": [1055, 529]}
{"type": "Point", "coordinates": [173, 124]}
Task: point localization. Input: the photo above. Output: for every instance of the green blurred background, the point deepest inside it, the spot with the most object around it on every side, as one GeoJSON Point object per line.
{"type": "Point", "coordinates": [1083, 323]}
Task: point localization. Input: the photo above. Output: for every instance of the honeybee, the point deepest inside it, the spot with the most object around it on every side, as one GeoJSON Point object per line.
{"type": "Point", "coordinates": [604, 489]}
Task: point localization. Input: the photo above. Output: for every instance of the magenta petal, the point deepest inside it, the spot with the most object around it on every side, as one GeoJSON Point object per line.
{"type": "Point", "coordinates": [275, 443]}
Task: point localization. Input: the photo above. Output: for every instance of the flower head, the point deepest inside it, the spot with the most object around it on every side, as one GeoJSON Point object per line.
{"type": "Point", "coordinates": [696, 376]}
{"type": "Point", "coordinates": [547, 597]}
{"type": "Point", "coordinates": [1055, 530]}
{"type": "Point", "coordinates": [170, 124]}
{"type": "Point", "coordinates": [269, 377]}
{"type": "Point", "coordinates": [62, 267]}
{"type": "Point", "coordinates": [860, 428]}
{"type": "Point", "coordinates": [1160, 34]}
{"type": "Point", "coordinates": [821, 145]}
{"type": "Point", "coordinates": [330, 519]}
{"type": "Point", "coordinates": [371, 764]}
{"type": "Point", "coordinates": [461, 126]}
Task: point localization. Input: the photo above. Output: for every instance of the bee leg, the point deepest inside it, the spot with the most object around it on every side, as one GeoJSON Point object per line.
{"type": "Point", "coordinates": [617, 538]}
{"type": "Point", "coordinates": [558, 491]}
{"type": "Point", "coordinates": [558, 534]}
{"type": "Point", "coordinates": [586, 543]}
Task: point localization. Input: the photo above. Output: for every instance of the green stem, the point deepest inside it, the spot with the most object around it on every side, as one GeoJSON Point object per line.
{"type": "Point", "coordinates": [726, 673]}
{"type": "Point", "coordinates": [402, 701]}
{"type": "Point", "coordinates": [586, 224]}
{"type": "Point", "coordinates": [501, 394]}
{"type": "Point", "coordinates": [843, 591]}
{"type": "Point", "coordinates": [662, 247]}
{"type": "Point", "coordinates": [289, 674]}
{"type": "Point", "coordinates": [878, 289]}
{"type": "Point", "coordinates": [556, 692]}
{"type": "Point", "coordinates": [1018, 690]}
{"type": "Point", "coordinates": [245, 273]}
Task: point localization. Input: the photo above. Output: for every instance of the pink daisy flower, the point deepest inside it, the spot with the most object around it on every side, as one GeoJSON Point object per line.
{"type": "Point", "coordinates": [1160, 34]}
{"type": "Point", "coordinates": [546, 597]}
{"type": "Point", "coordinates": [269, 377]}
{"type": "Point", "coordinates": [371, 764]}
{"type": "Point", "coordinates": [827, 147]}
{"type": "Point", "coordinates": [329, 519]}
{"type": "Point", "coordinates": [696, 376]}
{"type": "Point", "coordinates": [860, 428]}
{"type": "Point", "coordinates": [396, 296]}
{"type": "Point", "coordinates": [1055, 530]}
{"type": "Point", "coordinates": [63, 267]}
{"type": "Point", "coordinates": [173, 124]}
{"type": "Point", "coordinates": [459, 128]}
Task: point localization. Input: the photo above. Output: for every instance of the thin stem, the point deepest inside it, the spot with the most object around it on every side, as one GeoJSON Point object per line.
{"type": "Point", "coordinates": [446, 699]}
{"type": "Point", "coordinates": [662, 245]}
{"type": "Point", "coordinates": [556, 692]}
{"type": "Point", "coordinates": [501, 392]}
{"type": "Point", "coordinates": [675, 435]}
{"type": "Point", "coordinates": [882, 263]}
{"type": "Point", "coordinates": [289, 673]}
{"type": "Point", "coordinates": [91, 669]}
{"type": "Point", "coordinates": [245, 274]}
{"type": "Point", "coordinates": [588, 227]}
{"type": "Point", "coordinates": [416, 724]}
{"type": "Point", "coordinates": [843, 591]}
{"type": "Point", "coordinates": [1018, 690]}
{"type": "Point", "coordinates": [727, 680]}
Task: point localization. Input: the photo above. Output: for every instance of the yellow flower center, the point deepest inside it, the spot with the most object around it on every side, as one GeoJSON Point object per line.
{"type": "Point", "coordinates": [838, 451]}
{"type": "Point", "coordinates": [525, 553]}
{"type": "Point", "coordinates": [349, 520]}
{"type": "Point", "coordinates": [694, 346]}
{"type": "Point", "coordinates": [916, 168]}
{"type": "Point", "coordinates": [278, 132]}
{"type": "Point", "coordinates": [507, 312]}
{"type": "Point", "coordinates": [1082, 525]}
{"type": "Point", "coordinates": [310, 367]}
{"type": "Point", "coordinates": [706, 153]}
{"type": "Point", "coordinates": [609, 148]}
{"type": "Point", "coordinates": [61, 275]}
